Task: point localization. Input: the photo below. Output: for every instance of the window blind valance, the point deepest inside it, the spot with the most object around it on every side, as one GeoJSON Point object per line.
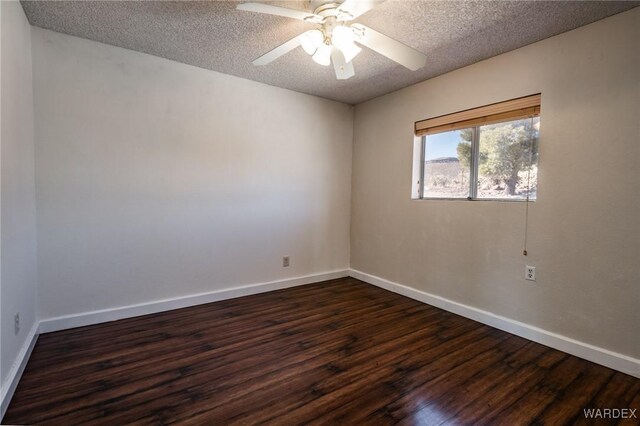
{"type": "Point", "coordinates": [514, 109]}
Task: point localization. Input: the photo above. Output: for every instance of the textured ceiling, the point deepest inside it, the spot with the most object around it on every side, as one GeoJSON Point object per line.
{"type": "Point", "coordinates": [215, 36]}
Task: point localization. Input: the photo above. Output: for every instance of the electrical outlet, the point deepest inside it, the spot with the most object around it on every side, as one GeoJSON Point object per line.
{"type": "Point", "coordinates": [16, 324]}
{"type": "Point", "coordinates": [285, 261]}
{"type": "Point", "coordinates": [530, 273]}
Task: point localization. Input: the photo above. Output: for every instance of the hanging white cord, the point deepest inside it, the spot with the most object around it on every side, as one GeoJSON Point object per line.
{"type": "Point", "coordinates": [526, 211]}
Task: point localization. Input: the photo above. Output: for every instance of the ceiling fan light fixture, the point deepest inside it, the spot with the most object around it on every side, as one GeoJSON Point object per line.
{"type": "Point", "coordinates": [342, 35]}
{"type": "Point", "coordinates": [323, 55]}
{"type": "Point", "coordinates": [311, 40]}
{"type": "Point", "coordinates": [343, 38]}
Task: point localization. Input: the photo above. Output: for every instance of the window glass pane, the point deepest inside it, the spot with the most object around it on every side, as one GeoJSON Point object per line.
{"type": "Point", "coordinates": [508, 159]}
{"type": "Point", "coordinates": [447, 159]}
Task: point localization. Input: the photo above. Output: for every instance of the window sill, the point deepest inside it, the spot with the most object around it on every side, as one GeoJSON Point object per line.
{"type": "Point", "coordinates": [500, 200]}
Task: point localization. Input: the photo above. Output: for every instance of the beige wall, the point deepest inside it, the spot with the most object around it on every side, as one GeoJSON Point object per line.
{"type": "Point", "coordinates": [157, 179]}
{"type": "Point", "coordinates": [584, 230]}
{"type": "Point", "coordinates": [18, 281]}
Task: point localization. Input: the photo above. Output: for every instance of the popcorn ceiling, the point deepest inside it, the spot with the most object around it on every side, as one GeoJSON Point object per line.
{"type": "Point", "coordinates": [215, 36]}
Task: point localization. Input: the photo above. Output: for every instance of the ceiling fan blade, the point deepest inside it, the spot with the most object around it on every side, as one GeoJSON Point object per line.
{"type": "Point", "coordinates": [392, 49]}
{"type": "Point", "coordinates": [356, 8]}
{"type": "Point", "coordinates": [343, 69]}
{"type": "Point", "coordinates": [275, 10]}
{"type": "Point", "coordinates": [274, 54]}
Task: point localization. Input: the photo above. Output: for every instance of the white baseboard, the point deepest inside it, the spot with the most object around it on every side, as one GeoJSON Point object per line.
{"type": "Point", "coordinates": [10, 385]}
{"type": "Point", "coordinates": [616, 361]}
{"type": "Point", "coordinates": [105, 315]}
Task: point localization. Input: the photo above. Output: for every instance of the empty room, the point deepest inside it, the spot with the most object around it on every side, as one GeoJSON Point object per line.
{"type": "Point", "coordinates": [349, 212]}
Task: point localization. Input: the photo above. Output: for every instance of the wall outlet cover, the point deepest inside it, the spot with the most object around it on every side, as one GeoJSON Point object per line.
{"type": "Point", "coordinates": [530, 273]}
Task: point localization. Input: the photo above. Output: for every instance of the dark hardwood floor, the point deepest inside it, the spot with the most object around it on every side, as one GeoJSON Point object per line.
{"type": "Point", "coordinates": [338, 352]}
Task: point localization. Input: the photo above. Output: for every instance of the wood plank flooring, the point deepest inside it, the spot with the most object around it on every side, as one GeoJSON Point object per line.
{"type": "Point", "coordinates": [338, 352]}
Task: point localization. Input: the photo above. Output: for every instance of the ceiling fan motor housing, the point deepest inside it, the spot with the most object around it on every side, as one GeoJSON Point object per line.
{"type": "Point", "coordinates": [324, 7]}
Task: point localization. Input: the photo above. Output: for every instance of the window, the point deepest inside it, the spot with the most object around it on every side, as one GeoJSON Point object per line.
{"type": "Point", "coordinates": [468, 159]}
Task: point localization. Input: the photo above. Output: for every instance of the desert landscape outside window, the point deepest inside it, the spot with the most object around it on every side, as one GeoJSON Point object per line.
{"type": "Point", "coordinates": [497, 161]}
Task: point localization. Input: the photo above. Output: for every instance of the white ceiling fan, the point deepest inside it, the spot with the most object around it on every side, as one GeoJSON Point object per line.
{"type": "Point", "coordinates": [334, 41]}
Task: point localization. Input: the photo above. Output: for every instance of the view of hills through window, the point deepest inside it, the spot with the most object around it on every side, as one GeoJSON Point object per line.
{"type": "Point", "coordinates": [446, 171]}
